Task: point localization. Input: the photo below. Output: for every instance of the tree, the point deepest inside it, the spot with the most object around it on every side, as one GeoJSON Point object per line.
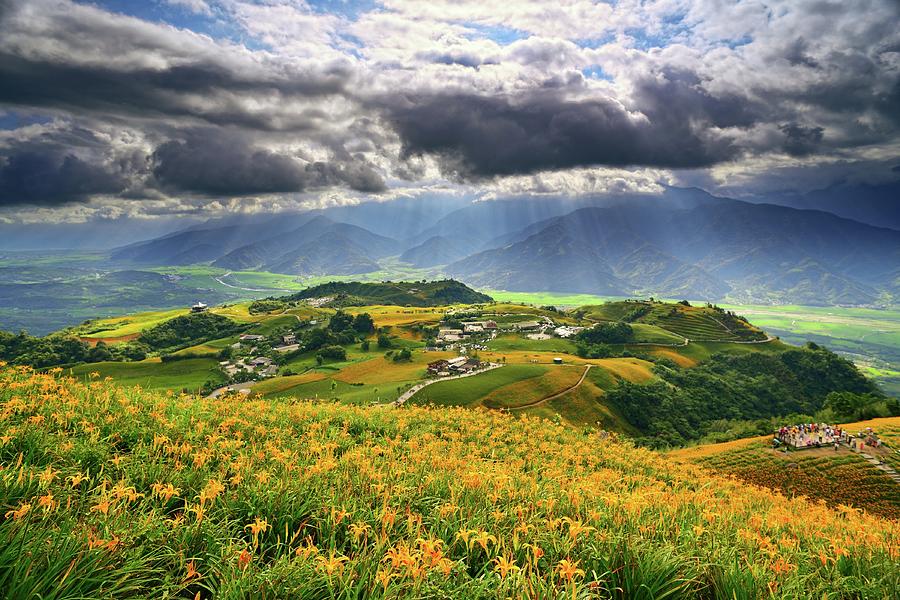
{"type": "Point", "coordinates": [99, 353]}
{"type": "Point", "coordinates": [384, 341]}
{"type": "Point", "coordinates": [333, 353]}
{"type": "Point", "coordinates": [363, 323]}
{"type": "Point", "coordinates": [404, 355]}
{"type": "Point", "coordinates": [364, 346]}
{"type": "Point", "coordinates": [607, 333]}
{"type": "Point", "coordinates": [340, 321]}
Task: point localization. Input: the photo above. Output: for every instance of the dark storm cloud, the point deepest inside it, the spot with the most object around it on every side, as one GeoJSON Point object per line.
{"type": "Point", "coordinates": [170, 92]}
{"type": "Point", "coordinates": [59, 167]}
{"type": "Point", "coordinates": [75, 58]}
{"type": "Point", "coordinates": [478, 136]}
{"type": "Point", "coordinates": [214, 162]}
{"type": "Point", "coordinates": [800, 140]}
{"type": "Point", "coordinates": [52, 179]}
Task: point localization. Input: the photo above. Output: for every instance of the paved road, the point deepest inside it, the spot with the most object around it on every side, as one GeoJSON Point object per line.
{"type": "Point", "coordinates": [412, 391]}
{"type": "Point", "coordinates": [554, 396]}
{"type": "Point", "coordinates": [237, 287]}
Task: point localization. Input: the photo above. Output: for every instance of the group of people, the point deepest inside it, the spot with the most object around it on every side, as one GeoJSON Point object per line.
{"type": "Point", "coordinates": [816, 435]}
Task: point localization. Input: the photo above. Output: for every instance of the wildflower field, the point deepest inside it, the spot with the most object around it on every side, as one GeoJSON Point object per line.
{"type": "Point", "coordinates": [110, 492]}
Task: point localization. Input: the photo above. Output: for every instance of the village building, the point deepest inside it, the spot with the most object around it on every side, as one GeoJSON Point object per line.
{"type": "Point", "coordinates": [248, 337]}
{"type": "Point", "coordinates": [261, 361]}
{"type": "Point", "coordinates": [566, 331]}
{"type": "Point", "coordinates": [437, 367]}
{"type": "Point", "coordinates": [199, 307]}
{"type": "Point", "coordinates": [528, 326]}
{"type": "Point", "coordinates": [289, 339]}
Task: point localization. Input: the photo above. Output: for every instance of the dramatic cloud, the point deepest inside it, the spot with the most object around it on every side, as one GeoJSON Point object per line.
{"type": "Point", "coordinates": [483, 136]}
{"type": "Point", "coordinates": [268, 103]}
{"type": "Point", "coordinates": [216, 163]}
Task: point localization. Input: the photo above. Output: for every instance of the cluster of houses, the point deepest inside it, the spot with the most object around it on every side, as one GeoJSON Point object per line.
{"type": "Point", "coordinates": [453, 366]}
{"type": "Point", "coordinates": [260, 366]}
{"type": "Point", "coordinates": [472, 328]}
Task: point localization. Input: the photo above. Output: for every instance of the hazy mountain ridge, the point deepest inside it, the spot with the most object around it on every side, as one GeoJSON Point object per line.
{"type": "Point", "coordinates": [704, 252]}
{"type": "Point", "coordinates": [683, 243]}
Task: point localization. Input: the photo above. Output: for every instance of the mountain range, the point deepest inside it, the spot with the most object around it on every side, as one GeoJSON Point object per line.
{"type": "Point", "coordinates": [683, 243]}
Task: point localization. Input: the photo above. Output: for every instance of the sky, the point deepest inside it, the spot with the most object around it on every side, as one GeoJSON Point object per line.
{"type": "Point", "coordinates": [160, 108]}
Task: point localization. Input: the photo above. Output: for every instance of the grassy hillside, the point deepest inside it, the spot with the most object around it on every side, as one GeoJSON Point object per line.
{"type": "Point", "coordinates": [838, 478]}
{"type": "Point", "coordinates": [188, 374]}
{"type": "Point", "coordinates": [116, 493]}
{"type": "Point", "coordinates": [697, 323]}
{"type": "Point", "coordinates": [400, 293]}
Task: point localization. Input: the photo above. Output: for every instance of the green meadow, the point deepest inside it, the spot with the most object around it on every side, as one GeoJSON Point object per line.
{"type": "Point", "coordinates": [188, 374]}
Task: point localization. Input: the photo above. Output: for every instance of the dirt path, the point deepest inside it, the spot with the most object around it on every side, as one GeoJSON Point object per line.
{"type": "Point", "coordinates": [554, 396]}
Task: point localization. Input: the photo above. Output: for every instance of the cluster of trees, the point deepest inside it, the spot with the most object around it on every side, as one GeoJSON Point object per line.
{"type": "Point", "coordinates": [685, 404]}
{"type": "Point", "coordinates": [40, 352]}
{"type": "Point", "coordinates": [595, 342]}
{"type": "Point", "coordinates": [265, 305]}
{"type": "Point", "coordinates": [189, 330]}
{"type": "Point", "coordinates": [850, 406]}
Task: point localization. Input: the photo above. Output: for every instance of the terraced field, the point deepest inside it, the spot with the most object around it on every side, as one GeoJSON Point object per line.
{"type": "Point", "coordinates": [838, 478]}
{"type": "Point", "coordinates": [693, 323]}
{"type": "Point", "coordinates": [697, 323]}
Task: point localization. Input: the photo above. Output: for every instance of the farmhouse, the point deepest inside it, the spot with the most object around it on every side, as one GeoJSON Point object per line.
{"type": "Point", "coordinates": [199, 307]}
{"type": "Point", "coordinates": [248, 337]}
{"type": "Point", "coordinates": [261, 361]}
{"type": "Point", "coordinates": [289, 339]}
{"type": "Point", "coordinates": [438, 366]}
{"type": "Point", "coordinates": [528, 326]}
{"type": "Point", "coordinates": [451, 335]}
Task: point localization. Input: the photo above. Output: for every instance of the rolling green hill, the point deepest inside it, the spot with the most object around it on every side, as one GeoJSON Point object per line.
{"type": "Point", "coordinates": [400, 293]}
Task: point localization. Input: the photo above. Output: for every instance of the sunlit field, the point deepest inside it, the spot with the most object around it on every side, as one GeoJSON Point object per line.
{"type": "Point", "coordinates": [114, 492]}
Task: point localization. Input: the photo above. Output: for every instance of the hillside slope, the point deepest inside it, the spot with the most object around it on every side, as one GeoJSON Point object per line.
{"type": "Point", "coordinates": [120, 493]}
{"type": "Point", "coordinates": [837, 477]}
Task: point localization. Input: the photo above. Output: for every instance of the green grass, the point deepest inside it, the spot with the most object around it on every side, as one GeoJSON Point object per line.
{"type": "Point", "coordinates": [331, 387]}
{"type": "Point", "coordinates": [470, 390]}
{"type": "Point", "coordinates": [506, 343]}
{"type": "Point", "coordinates": [644, 333]}
{"type": "Point", "coordinates": [152, 374]}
